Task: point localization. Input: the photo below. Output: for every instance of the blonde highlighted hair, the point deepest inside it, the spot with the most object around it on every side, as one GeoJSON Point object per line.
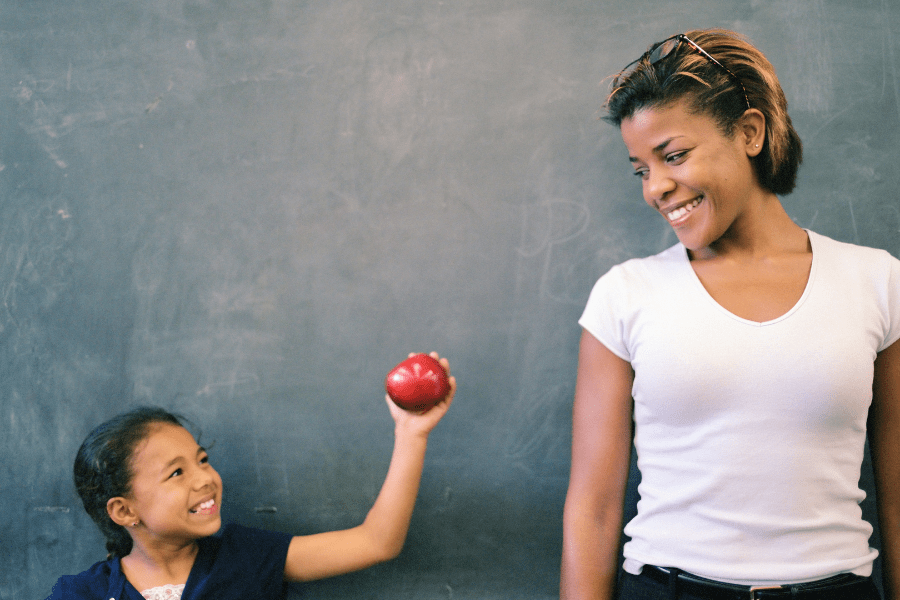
{"type": "Point", "coordinates": [686, 75]}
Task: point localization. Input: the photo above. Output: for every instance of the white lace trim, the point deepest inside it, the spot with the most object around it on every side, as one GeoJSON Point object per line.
{"type": "Point", "coordinates": [164, 592]}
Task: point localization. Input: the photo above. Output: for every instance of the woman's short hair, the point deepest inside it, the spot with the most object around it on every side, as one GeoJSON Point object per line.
{"type": "Point", "coordinates": [687, 75]}
{"type": "Point", "coordinates": [103, 468]}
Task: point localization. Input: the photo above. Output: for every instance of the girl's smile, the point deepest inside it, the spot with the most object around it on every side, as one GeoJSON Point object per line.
{"type": "Point", "coordinates": [206, 508]}
{"type": "Point", "coordinates": [176, 493]}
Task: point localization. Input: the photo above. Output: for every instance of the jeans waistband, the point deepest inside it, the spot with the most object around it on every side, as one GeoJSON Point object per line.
{"type": "Point", "coordinates": [839, 587]}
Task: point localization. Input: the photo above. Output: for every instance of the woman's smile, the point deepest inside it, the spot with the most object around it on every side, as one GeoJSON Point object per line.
{"type": "Point", "coordinates": [677, 216]}
{"type": "Point", "coordinates": [698, 178]}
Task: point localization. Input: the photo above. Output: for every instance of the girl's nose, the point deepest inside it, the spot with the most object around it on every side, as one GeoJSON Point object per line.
{"type": "Point", "coordinates": [205, 477]}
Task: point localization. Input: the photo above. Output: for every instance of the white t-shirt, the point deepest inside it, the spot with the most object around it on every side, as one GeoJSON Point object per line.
{"type": "Point", "coordinates": [750, 435]}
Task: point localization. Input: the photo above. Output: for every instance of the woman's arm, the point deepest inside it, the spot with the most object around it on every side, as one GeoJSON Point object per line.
{"type": "Point", "coordinates": [382, 534]}
{"type": "Point", "coordinates": [601, 451]}
{"type": "Point", "coordinates": [884, 443]}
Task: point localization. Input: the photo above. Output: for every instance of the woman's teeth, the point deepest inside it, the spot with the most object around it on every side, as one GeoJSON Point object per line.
{"type": "Point", "coordinates": [684, 210]}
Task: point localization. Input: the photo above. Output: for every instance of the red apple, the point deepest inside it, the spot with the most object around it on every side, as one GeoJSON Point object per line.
{"type": "Point", "coordinates": [417, 383]}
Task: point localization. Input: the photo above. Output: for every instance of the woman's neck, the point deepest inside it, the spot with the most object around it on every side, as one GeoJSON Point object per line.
{"type": "Point", "coordinates": [764, 231]}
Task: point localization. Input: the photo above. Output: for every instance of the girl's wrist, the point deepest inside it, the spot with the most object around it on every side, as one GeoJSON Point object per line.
{"type": "Point", "coordinates": [409, 437]}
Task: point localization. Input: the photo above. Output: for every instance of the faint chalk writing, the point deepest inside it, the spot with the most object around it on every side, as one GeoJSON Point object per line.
{"type": "Point", "coordinates": [546, 227]}
{"type": "Point", "coordinates": [51, 509]}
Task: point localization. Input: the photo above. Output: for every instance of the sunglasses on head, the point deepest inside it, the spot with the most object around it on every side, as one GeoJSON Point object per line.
{"type": "Point", "coordinates": [661, 50]}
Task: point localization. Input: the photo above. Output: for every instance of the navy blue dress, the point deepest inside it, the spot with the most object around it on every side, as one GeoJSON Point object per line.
{"type": "Point", "coordinates": [238, 563]}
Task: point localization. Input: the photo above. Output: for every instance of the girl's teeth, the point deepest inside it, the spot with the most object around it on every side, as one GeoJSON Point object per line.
{"type": "Point", "coordinates": [206, 505]}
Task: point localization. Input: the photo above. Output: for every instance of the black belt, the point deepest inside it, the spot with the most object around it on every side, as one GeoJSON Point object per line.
{"type": "Point", "coordinates": [839, 587]}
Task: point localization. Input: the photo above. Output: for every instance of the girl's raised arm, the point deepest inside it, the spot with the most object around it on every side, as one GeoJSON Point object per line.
{"type": "Point", "coordinates": [381, 536]}
{"type": "Point", "coordinates": [601, 451]}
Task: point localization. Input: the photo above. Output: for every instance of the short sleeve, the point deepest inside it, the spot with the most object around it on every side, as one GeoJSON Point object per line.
{"type": "Point", "coordinates": [893, 304]}
{"type": "Point", "coordinates": [96, 583]}
{"type": "Point", "coordinates": [243, 564]}
{"type": "Point", "coordinates": [602, 316]}
{"type": "Point", "coordinates": [65, 588]}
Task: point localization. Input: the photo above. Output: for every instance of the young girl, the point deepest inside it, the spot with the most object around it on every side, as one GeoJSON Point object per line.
{"type": "Point", "coordinates": [155, 496]}
{"type": "Point", "coordinates": [746, 360]}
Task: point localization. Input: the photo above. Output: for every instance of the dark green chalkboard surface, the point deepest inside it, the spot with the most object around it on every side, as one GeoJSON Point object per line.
{"type": "Point", "coordinates": [248, 211]}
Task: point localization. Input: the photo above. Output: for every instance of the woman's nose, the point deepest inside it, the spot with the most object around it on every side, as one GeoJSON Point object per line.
{"type": "Point", "coordinates": [657, 184]}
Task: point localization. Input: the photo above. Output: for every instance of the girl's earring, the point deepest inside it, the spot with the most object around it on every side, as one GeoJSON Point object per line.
{"type": "Point", "coordinates": [134, 524]}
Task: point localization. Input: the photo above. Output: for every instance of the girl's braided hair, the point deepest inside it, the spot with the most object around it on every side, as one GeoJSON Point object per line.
{"type": "Point", "coordinates": [103, 468]}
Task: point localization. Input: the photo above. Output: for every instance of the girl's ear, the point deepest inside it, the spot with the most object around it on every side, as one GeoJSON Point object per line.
{"type": "Point", "coordinates": [752, 129]}
{"type": "Point", "coordinates": [121, 512]}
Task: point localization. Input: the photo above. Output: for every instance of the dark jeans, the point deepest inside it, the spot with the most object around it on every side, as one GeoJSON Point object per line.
{"type": "Point", "coordinates": [634, 587]}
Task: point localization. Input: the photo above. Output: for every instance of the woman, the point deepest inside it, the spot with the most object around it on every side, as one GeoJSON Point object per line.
{"type": "Point", "coordinates": [745, 357]}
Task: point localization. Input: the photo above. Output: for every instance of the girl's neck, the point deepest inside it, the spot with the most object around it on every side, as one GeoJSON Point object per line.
{"type": "Point", "coordinates": [149, 566]}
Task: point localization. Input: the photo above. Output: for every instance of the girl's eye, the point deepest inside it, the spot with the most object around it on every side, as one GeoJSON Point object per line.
{"type": "Point", "coordinates": [642, 173]}
{"type": "Point", "coordinates": [176, 473]}
{"type": "Point", "coordinates": [204, 460]}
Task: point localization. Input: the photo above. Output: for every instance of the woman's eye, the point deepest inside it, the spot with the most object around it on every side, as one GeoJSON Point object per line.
{"type": "Point", "coordinates": [176, 473]}
{"type": "Point", "coordinates": [675, 156]}
{"type": "Point", "coordinates": [641, 173]}
{"type": "Point", "coordinates": [204, 460]}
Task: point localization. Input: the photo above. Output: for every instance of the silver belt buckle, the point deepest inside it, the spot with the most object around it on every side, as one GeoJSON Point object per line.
{"type": "Point", "coordinates": [760, 588]}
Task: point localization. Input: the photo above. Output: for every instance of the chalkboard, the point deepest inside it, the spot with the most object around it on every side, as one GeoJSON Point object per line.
{"type": "Point", "coordinates": [249, 210]}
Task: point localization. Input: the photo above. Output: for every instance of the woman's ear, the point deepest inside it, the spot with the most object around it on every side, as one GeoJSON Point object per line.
{"type": "Point", "coordinates": [752, 129]}
{"type": "Point", "coordinates": [121, 512]}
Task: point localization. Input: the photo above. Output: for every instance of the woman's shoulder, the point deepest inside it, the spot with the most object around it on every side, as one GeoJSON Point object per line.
{"type": "Point", "coordinates": [672, 254]}
{"type": "Point", "coordinates": [647, 270]}
{"type": "Point", "coordinates": [837, 250]}
{"type": "Point", "coordinates": [853, 266]}
{"type": "Point", "coordinates": [631, 284]}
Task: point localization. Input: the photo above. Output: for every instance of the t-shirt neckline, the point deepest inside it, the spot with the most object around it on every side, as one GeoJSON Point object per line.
{"type": "Point", "coordinates": [813, 243]}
